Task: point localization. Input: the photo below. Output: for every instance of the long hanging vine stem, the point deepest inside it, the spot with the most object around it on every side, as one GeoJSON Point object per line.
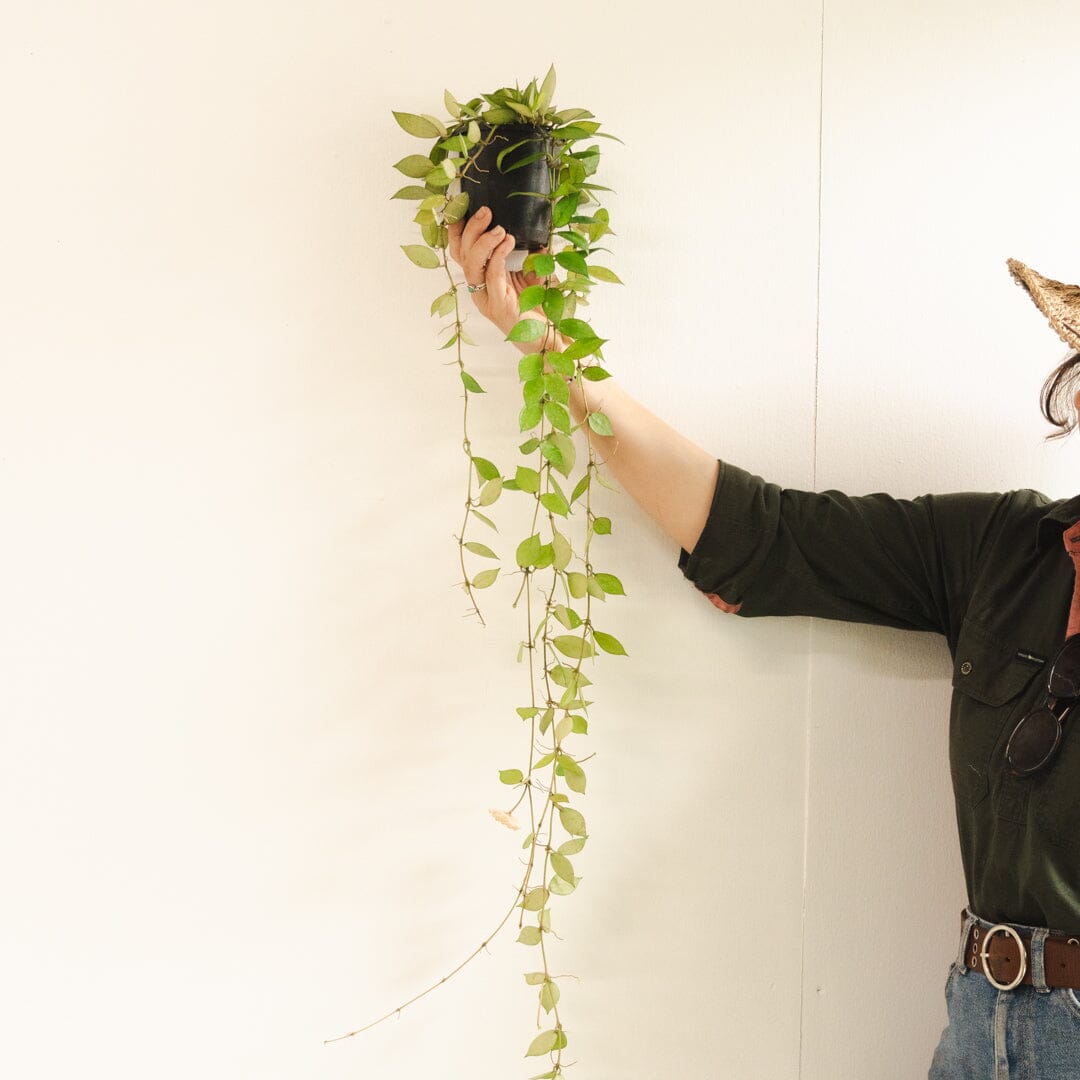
{"type": "Point", "coordinates": [568, 353]}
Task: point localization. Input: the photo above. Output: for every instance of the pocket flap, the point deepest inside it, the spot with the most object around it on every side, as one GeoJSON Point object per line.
{"type": "Point", "coordinates": [988, 669]}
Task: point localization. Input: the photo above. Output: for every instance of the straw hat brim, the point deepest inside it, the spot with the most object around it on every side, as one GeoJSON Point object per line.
{"type": "Point", "coordinates": [1060, 303]}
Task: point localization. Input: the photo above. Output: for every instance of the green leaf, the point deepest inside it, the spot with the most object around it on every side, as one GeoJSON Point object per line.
{"type": "Point", "coordinates": [470, 383]}
{"type": "Point", "coordinates": [545, 1042]}
{"type": "Point", "coordinates": [567, 115]}
{"type": "Point", "coordinates": [438, 179]}
{"type": "Point", "coordinates": [567, 616]}
{"type": "Point", "coordinates": [546, 555]}
{"type": "Point", "coordinates": [415, 166]}
{"type": "Point", "coordinates": [564, 210]}
{"type": "Point", "coordinates": [472, 133]}
{"type": "Point", "coordinates": [562, 363]}
{"type": "Point", "coordinates": [528, 551]}
{"type": "Point", "coordinates": [456, 207]}
{"type": "Point", "coordinates": [564, 727]}
{"type": "Point", "coordinates": [423, 127]}
{"type": "Point", "coordinates": [562, 549]}
{"type": "Point", "coordinates": [553, 302]}
{"type": "Point", "coordinates": [512, 776]}
{"type": "Point", "coordinates": [599, 422]}
{"type": "Point", "coordinates": [573, 646]}
{"type": "Point", "coordinates": [536, 978]}
{"type": "Point", "coordinates": [558, 887]}
{"type": "Point", "coordinates": [556, 388]}
{"type": "Point", "coordinates": [531, 297]}
{"type": "Point", "coordinates": [580, 488]}
{"type": "Point", "coordinates": [490, 491]}
{"type": "Point", "coordinates": [521, 110]}
{"type": "Point", "coordinates": [533, 390]}
{"type": "Point", "coordinates": [572, 821]}
{"type": "Point", "coordinates": [576, 328]}
{"type": "Point", "coordinates": [571, 260]}
{"type": "Point", "coordinates": [530, 416]}
{"type": "Point", "coordinates": [456, 143]}
{"type": "Point", "coordinates": [551, 452]}
{"type": "Point", "coordinates": [545, 721]}
{"type": "Point", "coordinates": [486, 470]}
{"type": "Point", "coordinates": [549, 996]}
{"type": "Point", "coordinates": [529, 446]}
{"type": "Point", "coordinates": [602, 525]}
{"type": "Point", "coordinates": [540, 264]}
{"type": "Point", "coordinates": [527, 480]}
{"type": "Point", "coordinates": [577, 584]}
{"type": "Point", "coordinates": [411, 191]}
{"type": "Point", "coordinates": [452, 107]}
{"type": "Point", "coordinates": [480, 549]}
{"type": "Point", "coordinates": [602, 273]}
{"type": "Point", "coordinates": [525, 330]}
{"type": "Point", "coordinates": [485, 577]}
{"type": "Point", "coordinates": [575, 776]}
{"type": "Point", "coordinates": [556, 503]}
{"type": "Point", "coordinates": [572, 847]}
{"type": "Point", "coordinates": [535, 899]}
{"type": "Point", "coordinates": [530, 935]}
{"type": "Point", "coordinates": [584, 347]}
{"type": "Point", "coordinates": [608, 643]}
{"type": "Point", "coordinates": [595, 373]}
{"type": "Point", "coordinates": [498, 116]}
{"type": "Point", "coordinates": [562, 866]}
{"type": "Point", "coordinates": [443, 305]}
{"type": "Point", "coordinates": [547, 90]}
{"type": "Point", "coordinates": [527, 712]}
{"type": "Point", "coordinates": [592, 587]}
{"type": "Point", "coordinates": [567, 453]}
{"type": "Point", "coordinates": [610, 584]}
{"type": "Point", "coordinates": [557, 416]}
{"type": "Point", "coordinates": [486, 520]}
{"type": "Point", "coordinates": [581, 725]}
{"type": "Point", "coordinates": [529, 367]}
{"type": "Point", "coordinates": [423, 256]}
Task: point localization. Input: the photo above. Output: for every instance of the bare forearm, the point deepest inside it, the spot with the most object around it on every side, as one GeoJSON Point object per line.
{"type": "Point", "coordinates": [668, 476]}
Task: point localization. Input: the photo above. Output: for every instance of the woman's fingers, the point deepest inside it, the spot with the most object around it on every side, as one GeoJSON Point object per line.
{"type": "Point", "coordinates": [454, 233]}
{"type": "Point", "coordinates": [475, 257]}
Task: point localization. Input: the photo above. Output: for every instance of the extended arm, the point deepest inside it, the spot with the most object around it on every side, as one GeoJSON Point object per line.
{"type": "Point", "coordinates": [668, 476]}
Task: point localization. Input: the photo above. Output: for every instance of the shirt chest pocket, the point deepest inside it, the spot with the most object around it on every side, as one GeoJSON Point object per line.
{"type": "Point", "coordinates": [993, 686]}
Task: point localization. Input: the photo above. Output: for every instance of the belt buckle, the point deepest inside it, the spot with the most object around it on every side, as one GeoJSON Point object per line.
{"type": "Point", "coordinates": [985, 955]}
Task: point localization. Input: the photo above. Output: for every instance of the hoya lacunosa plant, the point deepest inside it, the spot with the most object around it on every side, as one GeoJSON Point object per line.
{"type": "Point", "coordinates": [534, 165]}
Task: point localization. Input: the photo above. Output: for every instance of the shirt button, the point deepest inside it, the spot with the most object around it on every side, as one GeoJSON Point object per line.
{"type": "Point", "coordinates": [965, 668]}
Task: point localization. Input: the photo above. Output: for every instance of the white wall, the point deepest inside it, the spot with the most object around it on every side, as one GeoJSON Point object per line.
{"type": "Point", "coordinates": [247, 740]}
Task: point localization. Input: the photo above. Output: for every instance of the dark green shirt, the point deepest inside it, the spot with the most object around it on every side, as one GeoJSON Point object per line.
{"type": "Point", "coordinates": [990, 573]}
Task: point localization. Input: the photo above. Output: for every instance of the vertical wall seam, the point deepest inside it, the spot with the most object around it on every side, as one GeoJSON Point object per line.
{"type": "Point", "coordinates": [810, 629]}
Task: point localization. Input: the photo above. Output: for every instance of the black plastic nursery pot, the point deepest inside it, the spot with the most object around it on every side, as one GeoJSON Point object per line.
{"type": "Point", "coordinates": [527, 218]}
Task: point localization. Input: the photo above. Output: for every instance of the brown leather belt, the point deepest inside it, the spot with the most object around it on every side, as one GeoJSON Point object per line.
{"type": "Point", "coordinates": [1003, 954]}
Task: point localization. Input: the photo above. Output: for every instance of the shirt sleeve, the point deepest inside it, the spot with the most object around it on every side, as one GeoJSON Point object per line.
{"type": "Point", "coordinates": [908, 563]}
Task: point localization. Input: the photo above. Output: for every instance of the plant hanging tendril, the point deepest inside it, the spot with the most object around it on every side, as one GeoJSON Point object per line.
{"type": "Point", "coordinates": [558, 637]}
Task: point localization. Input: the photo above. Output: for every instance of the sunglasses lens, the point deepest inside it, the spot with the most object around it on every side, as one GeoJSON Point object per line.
{"type": "Point", "coordinates": [1033, 741]}
{"type": "Point", "coordinates": [1064, 680]}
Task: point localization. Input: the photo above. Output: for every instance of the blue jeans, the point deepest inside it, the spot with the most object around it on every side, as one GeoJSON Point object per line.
{"type": "Point", "coordinates": [1030, 1033]}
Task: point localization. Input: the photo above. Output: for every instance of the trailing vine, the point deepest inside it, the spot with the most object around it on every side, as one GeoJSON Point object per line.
{"type": "Point", "coordinates": [560, 582]}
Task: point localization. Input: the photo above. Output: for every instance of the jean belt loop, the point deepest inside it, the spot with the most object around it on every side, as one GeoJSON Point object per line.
{"type": "Point", "coordinates": [1038, 960]}
{"type": "Point", "coordinates": [961, 958]}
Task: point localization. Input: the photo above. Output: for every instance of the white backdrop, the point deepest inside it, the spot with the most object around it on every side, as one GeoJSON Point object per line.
{"type": "Point", "coordinates": [248, 742]}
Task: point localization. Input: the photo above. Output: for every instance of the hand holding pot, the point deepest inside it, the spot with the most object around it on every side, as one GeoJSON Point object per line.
{"type": "Point", "coordinates": [482, 256]}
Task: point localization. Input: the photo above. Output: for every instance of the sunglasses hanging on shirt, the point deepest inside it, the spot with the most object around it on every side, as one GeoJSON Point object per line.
{"type": "Point", "coordinates": [1035, 740]}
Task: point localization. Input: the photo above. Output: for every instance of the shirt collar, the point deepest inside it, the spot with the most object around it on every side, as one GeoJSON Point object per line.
{"type": "Point", "coordinates": [1055, 521]}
